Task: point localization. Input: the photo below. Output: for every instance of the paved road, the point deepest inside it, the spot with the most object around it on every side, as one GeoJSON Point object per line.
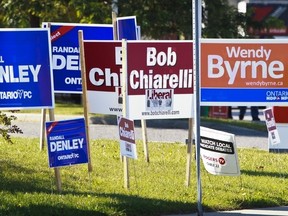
{"type": "Point", "coordinates": [174, 131]}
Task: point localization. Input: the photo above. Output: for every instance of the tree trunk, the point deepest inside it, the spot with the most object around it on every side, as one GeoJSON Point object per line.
{"type": "Point", "coordinates": [34, 21]}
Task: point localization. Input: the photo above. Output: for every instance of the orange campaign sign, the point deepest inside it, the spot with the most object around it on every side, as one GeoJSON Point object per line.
{"type": "Point", "coordinates": [253, 71]}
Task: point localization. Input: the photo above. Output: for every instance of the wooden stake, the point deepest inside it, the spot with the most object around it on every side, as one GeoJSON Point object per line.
{"type": "Point", "coordinates": [145, 141]}
{"type": "Point", "coordinates": [56, 170]}
{"type": "Point", "coordinates": [42, 129]}
{"type": "Point", "coordinates": [143, 121]}
{"type": "Point", "coordinates": [124, 109]}
{"type": "Point", "coordinates": [84, 96]}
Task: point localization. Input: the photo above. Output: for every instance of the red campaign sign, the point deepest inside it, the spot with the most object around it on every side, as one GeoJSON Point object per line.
{"type": "Point", "coordinates": [60, 32]}
{"type": "Point", "coordinates": [126, 130]}
{"type": "Point", "coordinates": [103, 62]}
{"type": "Point", "coordinates": [270, 121]}
{"type": "Point", "coordinates": [160, 65]}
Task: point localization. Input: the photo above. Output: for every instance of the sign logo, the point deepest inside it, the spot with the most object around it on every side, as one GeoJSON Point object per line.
{"type": "Point", "coordinates": [66, 142]}
{"type": "Point", "coordinates": [18, 94]}
{"type": "Point", "coordinates": [159, 99]}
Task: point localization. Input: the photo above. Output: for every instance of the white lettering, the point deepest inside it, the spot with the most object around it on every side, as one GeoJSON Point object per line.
{"type": "Point", "coordinates": [62, 145]}
{"type": "Point", "coordinates": [217, 67]}
{"type": "Point", "coordinates": [97, 77]}
{"type": "Point", "coordinates": [60, 49]}
{"type": "Point", "coordinates": [127, 134]}
{"type": "Point", "coordinates": [161, 58]}
{"type": "Point", "coordinates": [140, 80]}
{"type": "Point", "coordinates": [73, 80]}
{"type": "Point", "coordinates": [71, 62]}
{"type": "Point", "coordinates": [118, 55]}
{"type": "Point", "coordinates": [248, 53]}
{"type": "Point", "coordinates": [8, 73]}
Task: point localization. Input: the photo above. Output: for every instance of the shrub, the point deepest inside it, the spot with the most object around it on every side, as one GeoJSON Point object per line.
{"type": "Point", "coordinates": [6, 126]}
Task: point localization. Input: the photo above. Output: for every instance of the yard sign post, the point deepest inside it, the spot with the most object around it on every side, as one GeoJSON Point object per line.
{"type": "Point", "coordinates": [85, 101]}
{"type": "Point", "coordinates": [131, 35]}
{"type": "Point", "coordinates": [124, 110]}
{"type": "Point", "coordinates": [160, 81]}
{"type": "Point", "coordinates": [56, 169]}
{"type": "Point", "coordinates": [196, 26]}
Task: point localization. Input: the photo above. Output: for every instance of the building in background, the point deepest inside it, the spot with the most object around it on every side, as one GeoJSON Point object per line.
{"type": "Point", "coordinates": [269, 18]}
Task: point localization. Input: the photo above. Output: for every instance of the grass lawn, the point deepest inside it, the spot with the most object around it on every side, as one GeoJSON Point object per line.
{"type": "Point", "coordinates": [61, 109]}
{"type": "Point", "coordinates": [27, 184]}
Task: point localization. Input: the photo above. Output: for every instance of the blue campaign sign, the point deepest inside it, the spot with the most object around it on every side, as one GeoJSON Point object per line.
{"type": "Point", "coordinates": [67, 143]}
{"type": "Point", "coordinates": [244, 96]}
{"type": "Point", "coordinates": [25, 72]}
{"type": "Point", "coordinates": [65, 52]}
{"type": "Point", "coordinates": [127, 28]}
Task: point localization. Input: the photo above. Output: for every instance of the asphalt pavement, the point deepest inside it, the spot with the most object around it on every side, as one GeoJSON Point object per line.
{"type": "Point", "coordinates": [173, 131]}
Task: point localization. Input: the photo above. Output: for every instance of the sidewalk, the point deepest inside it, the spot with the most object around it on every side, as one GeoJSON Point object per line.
{"type": "Point", "coordinates": [274, 211]}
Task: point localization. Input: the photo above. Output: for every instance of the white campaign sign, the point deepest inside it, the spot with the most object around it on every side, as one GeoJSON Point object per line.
{"type": "Point", "coordinates": [159, 79]}
{"type": "Point", "coordinates": [127, 137]}
{"type": "Point", "coordinates": [271, 126]}
{"type": "Point", "coordinates": [219, 152]}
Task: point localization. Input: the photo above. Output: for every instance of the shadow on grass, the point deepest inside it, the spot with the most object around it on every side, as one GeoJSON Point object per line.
{"type": "Point", "coordinates": [258, 203]}
{"type": "Point", "coordinates": [136, 205]}
{"type": "Point", "coordinates": [264, 173]}
{"type": "Point", "coordinates": [121, 204]}
{"type": "Point", "coordinates": [16, 180]}
{"type": "Point", "coordinates": [47, 210]}
{"type": "Point", "coordinates": [21, 179]}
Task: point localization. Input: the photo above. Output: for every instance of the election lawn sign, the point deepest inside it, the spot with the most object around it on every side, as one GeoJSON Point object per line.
{"type": "Point", "coordinates": [127, 137]}
{"type": "Point", "coordinates": [65, 52]}
{"type": "Point", "coordinates": [25, 72]}
{"type": "Point", "coordinates": [271, 126]}
{"type": "Point", "coordinates": [127, 28]}
{"type": "Point", "coordinates": [103, 63]}
{"type": "Point", "coordinates": [245, 72]}
{"type": "Point", "coordinates": [219, 152]}
{"type": "Point", "coordinates": [167, 78]}
{"type": "Point", "coordinates": [67, 144]}
{"type": "Point", "coordinates": [159, 79]}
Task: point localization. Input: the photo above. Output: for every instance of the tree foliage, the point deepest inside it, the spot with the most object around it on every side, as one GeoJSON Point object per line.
{"type": "Point", "coordinates": [159, 19]}
{"type": "Point", "coordinates": [31, 13]}
{"type": "Point", "coordinates": [7, 127]}
{"type": "Point", "coordinates": [221, 20]}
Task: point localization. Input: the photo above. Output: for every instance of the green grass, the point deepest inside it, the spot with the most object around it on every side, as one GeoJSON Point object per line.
{"type": "Point", "coordinates": [27, 185]}
{"type": "Point", "coordinates": [61, 109]}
